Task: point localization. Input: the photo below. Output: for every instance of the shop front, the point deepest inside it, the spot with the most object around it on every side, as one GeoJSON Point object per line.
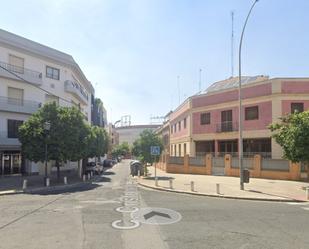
{"type": "Point", "coordinates": [10, 163]}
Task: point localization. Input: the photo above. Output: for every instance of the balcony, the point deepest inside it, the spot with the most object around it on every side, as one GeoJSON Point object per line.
{"type": "Point", "coordinates": [20, 73]}
{"type": "Point", "coordinates": [228, 126]}
{"type": "Point", "coordinates": [18, 105]}
{"type": "Point", "coordinates": [77, 90]}
{"type": "Point", "coordinates": [8, 143]}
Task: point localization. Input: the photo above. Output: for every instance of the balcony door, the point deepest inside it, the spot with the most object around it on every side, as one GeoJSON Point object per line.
{"type": "Point", "coordinates": [226, 120]}
{"type": "Point", "coordinates": [15, 96]}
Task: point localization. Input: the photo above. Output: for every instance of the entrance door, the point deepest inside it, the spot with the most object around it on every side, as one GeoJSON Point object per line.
{"type": "Point", "coordinates": [7, 167]}
{"type": "Point", "coordinates": [226, 120]}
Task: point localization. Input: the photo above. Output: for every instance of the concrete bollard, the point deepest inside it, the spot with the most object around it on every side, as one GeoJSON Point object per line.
{"type": "Point", "coordinates": [171, 183]}
{"type": "Point", "coordinates": [25, 182]}
{"type": "Point", "coordinates": [307, 193]}
{"type": "Point", "coordinates": [47, 182]}
{"type": "Point", "coordinates": [65, 180]}
{"type": "Point", "coordinates": [192, 186]}
{"type": "Point", "coordinates": [84, 177]}
{"type": "Point", "coordinates": [156, 181]}
{"type": "Point", "coordinates": [89, 176]}
{"type": "Point", "coordinates": [218, 188]}
{"type": "Point", "coordinates": [139, 173]}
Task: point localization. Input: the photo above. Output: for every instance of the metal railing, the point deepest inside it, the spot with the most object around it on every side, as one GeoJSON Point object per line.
{"type": "Point", "coordinates": [18, 105]}
{"type": "Point", "coordinates": [228, 126]}
{"type": "Point", "coordinates": [75, 87]}
{"type": "Point", "coordinates": [21, 71]}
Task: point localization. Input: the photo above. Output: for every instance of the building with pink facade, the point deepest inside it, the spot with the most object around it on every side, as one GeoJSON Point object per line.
{"type": "Point", "coordinates": [208, 122]}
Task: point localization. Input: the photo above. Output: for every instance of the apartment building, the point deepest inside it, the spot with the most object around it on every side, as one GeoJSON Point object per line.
{"type": "Point", "coordinates": [31, 75]}
{"type": "Point", "coordinates": [208, 122]}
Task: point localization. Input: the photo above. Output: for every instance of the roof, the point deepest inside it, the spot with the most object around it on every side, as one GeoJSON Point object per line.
{"type": "Point", "coordinates": [233, 83]}
{"type": "Point", "coordinates": [12, 40]}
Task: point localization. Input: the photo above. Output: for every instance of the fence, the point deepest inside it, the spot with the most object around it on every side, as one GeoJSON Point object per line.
{"type": "Point", "coordinates": [197, 161]}
{"type": "Point", "coordinates": [175, 160]}
{"type": "Point", "coordinates": [275, 164]}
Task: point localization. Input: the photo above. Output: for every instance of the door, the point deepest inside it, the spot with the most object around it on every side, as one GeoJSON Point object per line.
{"type": "Point", "coordinates": [7, 166]}
{"type": "Point", "coordinates": [226, 120]}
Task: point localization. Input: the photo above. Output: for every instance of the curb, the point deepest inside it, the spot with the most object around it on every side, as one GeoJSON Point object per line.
{"type": "Point", "coordinates": [219, 196]}
{"type": "Point", "coordinates": [47, 189]}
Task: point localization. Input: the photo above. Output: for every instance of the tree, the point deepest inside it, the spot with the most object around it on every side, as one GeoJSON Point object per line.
{"type": "Point", "coordinates": [292, 133]}
{"type": "Point", "coordinates": [121, 149]}
{"type": "Point", "coordinates": [66, 138]}
{"type": "Point", "coordinates": [141, 146]}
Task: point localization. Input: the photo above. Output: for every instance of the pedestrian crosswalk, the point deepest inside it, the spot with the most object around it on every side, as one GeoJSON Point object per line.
{"type": "Point", "coordinates": [302, 205]}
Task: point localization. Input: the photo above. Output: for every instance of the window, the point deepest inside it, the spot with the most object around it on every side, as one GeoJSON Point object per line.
{"type": "Point", "coordinates": [184, 149]}
{"type": "Point", "coordinates": [179, 147]}
{"type": "Point", "coordinates": [171, 129]}
{"type": "Point", "coordinates": [297, 107]}
{"type": "Point", "coordinates": [175, 149]}
{"type": "Point", "coordinates": [52, 73]}
{"type": "Point", "coordinates": [13, 126]}
{"type": "Point", "coordinates": [179, 125]}
{"type": "Point", "coordinates": [252, 113]}
{"type": "Point", "coordinates": [16, 64]}
{"type": "Point", "coordinates": [175, 127]}
{"type": "Point", "coordinates": [205, 118]}
{"type": "Point", "coordinates": [51, 99]}
{"type": "Point", "coordinates": [15, 96]}
{"type": "Point", "coordinates": [185, 123]}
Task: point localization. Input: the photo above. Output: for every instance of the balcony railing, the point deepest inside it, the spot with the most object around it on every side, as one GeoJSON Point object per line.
{"type": "Point", "coordinates": [76, 89]}
{"type": "Point", "coordinates": [228, 126]}
{"type": "Point", "coordinates": [18, 105]}
{"type": "Point", "coordinates": [33, 77]}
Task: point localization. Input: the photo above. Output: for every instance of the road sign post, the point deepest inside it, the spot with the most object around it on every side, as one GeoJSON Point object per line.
{"type": "Point", "coordinates": [155, 151]}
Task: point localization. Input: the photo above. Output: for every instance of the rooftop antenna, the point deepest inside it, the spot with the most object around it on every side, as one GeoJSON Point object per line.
{"type": "Point", "coordinates": [178, 89]}
{"type": "Point", "coordinates": [200, 80]}
{"type": "Point", "coordinates": [232, 45]}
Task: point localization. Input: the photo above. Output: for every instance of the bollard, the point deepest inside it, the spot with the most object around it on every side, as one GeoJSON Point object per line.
{"type": "Point", "coordinates": [218, 188]}
{"type": "Point", "coordinates": [84, 177]}
{"type": "Point", "coordinates": [65, 180]}
{"type": "Point", "coordinates": [307, 193]}
{"type": "Point", "coordinates": [171, 183]}
{"type": "Point", "coordinates": [192, 186]}
{"type": "Point", "coordinates": [139, 173]}
{"type": "Point", "coordinates": [156, 181]}
{"type": "Point", "coordinates": [89, 176]}
{"type": "Point", "coordinates": [47, 182]}
{"type": "Point", "coordinates": [25, 184]}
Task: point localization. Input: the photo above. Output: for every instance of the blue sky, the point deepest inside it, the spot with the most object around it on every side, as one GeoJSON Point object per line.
{"type": "Point", "coordinates": [133, 51]}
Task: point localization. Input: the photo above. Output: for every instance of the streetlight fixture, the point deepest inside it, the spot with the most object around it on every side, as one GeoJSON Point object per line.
{"type": "Point", "coordinates": [240, 146]}
{"type": "Point", "coordinates": [46, 127]}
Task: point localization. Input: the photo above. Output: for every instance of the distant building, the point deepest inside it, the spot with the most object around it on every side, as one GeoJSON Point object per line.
{"type": "Point", "coordinates": [130, 133]}
{"type": "Point", "coordinates": [98, 112]}
{"type": "Point", "coordinates": [164, 132]}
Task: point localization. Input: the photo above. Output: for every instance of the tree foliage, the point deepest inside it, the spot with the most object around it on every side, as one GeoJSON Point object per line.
{"type": "Point", "coordinates": [292, 134]}
{"type": "Point", "coordinates": [69, 138]}
{"type": "Point", "coordinates": [141, 146]}
{"type": "Point", "coordinates": [121, 149]}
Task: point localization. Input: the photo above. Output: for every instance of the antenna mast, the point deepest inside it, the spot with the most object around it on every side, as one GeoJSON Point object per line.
{"type": "Point", "coordinates": [232, 45]}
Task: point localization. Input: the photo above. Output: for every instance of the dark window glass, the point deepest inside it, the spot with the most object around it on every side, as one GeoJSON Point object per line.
{"type": "Point", "coordinates": [179, 125]}
{"type": "Point", "coordinates": [205, 118]}
{"type": "Point", "coordinates": [52, 73]}
{"type": "Point", "coordinates": [185, 123]}
{"type": "Point", "coordinates": [297, 107]}
{"type": "Point", "coordinates": [13, 126]}
{"type": "Point", "coordinates": [252, 113]}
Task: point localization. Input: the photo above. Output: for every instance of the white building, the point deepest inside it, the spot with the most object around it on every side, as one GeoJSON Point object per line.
{"type": "Point", "coordinates": [32, 74]}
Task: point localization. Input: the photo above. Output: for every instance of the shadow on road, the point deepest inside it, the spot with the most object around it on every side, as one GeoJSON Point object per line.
{"type": "Point", "coordinates": [109, 173]}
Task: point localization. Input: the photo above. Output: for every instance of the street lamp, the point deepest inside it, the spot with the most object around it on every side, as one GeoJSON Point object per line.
{"type": "Point", "coordinates": [46, 127]}
{"type": "Point", "coordinates": [240, 146]}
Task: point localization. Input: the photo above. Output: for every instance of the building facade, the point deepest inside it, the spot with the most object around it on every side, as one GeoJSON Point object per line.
{"type": "Point", "coordinates": [207, 123]}
{"type": "Point", "coordinates": [130, 133]}
{"type": "Point", "coordinates": [31, 75]}
{"type": "Point", "coordinates": [98, 113]}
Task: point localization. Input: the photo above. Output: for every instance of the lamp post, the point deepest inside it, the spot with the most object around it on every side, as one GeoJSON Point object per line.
{"type": "Point", "coordinates": [46, 129]}
{"type": "Point", "coordinates": [240, 142]}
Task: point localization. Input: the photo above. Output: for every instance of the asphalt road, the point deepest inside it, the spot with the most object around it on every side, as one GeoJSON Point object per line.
{"type": "Point", "coordinates": [83, 218]}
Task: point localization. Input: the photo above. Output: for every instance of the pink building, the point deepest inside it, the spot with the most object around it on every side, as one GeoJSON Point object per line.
{"type": "Point", "coordinates": [208, 122]}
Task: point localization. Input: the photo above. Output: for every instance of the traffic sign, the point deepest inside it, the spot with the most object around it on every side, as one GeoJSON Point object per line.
{"type": "Point", "coordinates": [155, 150]}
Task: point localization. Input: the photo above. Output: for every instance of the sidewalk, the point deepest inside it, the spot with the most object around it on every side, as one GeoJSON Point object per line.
{"type": "Point", "coordinates": [13, 184]}
{"type": "Point", "coordinates": [257, 189]}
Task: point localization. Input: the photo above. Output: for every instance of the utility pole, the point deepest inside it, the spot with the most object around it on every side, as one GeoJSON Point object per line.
{"type": "Point", "coordinates": [232, 45]}
{"type": "Point", "coordinates": [240, 141]}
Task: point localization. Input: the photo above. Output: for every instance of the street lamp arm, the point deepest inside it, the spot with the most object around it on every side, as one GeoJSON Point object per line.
{"type": "Point", "coordinates": [240, 140]}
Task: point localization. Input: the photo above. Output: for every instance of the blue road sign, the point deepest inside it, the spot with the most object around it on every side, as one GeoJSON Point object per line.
{"type": "Point", "coordinates": [155, 150]}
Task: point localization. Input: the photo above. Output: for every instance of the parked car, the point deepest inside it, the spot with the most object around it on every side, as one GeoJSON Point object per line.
{"type": "Point", "coordinates": [108, 163]}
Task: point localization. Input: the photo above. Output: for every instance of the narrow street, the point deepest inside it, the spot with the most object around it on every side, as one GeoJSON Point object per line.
{"type": "Point", "coordinates": [105, 217]}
